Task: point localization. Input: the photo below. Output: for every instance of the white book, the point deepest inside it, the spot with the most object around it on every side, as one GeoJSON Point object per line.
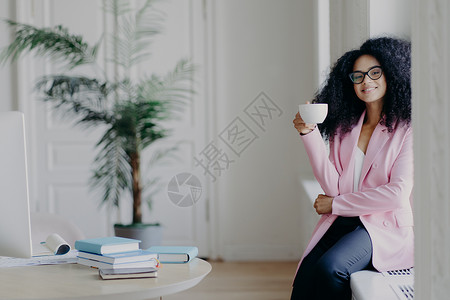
{"type": "Point", "coordinates": [122, 257]}
{"type": "Point", "coordinates": [128, 273]}
{"type": "Point", "coordinates": [102, 265]}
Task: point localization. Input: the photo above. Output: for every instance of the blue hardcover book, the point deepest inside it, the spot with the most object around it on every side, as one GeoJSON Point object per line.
{"type": "Point", "coordinates": [107, 245]}
{"type": "Point", "coordinates": [174, 254]}
{"type": "Point", "coordinates": [121, 257]}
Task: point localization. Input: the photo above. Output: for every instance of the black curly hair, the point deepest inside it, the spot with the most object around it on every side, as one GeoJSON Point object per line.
{"type": "Point", "coordinates": [345, 108]}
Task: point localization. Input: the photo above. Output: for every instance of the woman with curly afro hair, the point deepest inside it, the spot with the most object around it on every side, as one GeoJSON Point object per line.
{"type": "Point", "coordinates": [367, 173]}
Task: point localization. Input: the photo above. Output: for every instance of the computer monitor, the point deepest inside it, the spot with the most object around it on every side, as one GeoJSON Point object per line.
{"type": "Point", "coordinates": [15, 230]}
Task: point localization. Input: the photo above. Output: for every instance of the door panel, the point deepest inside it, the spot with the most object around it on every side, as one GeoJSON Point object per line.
{"type": "Point", "coordinates": [61, 155]}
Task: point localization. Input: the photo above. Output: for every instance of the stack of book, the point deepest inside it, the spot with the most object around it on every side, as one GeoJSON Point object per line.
{"type": "Point", "coordinates": [113, 253]}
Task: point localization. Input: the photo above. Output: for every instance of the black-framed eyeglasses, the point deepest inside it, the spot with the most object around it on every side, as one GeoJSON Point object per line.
{"type": "Point", "coordinates": [374, 73]}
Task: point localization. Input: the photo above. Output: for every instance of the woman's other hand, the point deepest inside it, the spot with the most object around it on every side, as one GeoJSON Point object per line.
{"type": "Point", "coordinates": [323, 204]}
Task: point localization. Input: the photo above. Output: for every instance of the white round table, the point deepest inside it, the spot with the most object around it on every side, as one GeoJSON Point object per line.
{"type": "Point", "coordinates": [73, 281]}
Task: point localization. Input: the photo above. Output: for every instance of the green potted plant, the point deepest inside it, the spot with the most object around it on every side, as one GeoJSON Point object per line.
{"type": "Point", "coordinates": [129, 110]}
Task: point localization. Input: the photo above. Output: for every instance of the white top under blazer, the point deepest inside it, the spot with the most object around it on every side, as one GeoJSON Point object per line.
{"type": "Point", "coordinates": [359, 160]}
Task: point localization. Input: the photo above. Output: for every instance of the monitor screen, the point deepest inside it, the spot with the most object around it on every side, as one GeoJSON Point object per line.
{"type": "Point", "coordinates": [15, 233]}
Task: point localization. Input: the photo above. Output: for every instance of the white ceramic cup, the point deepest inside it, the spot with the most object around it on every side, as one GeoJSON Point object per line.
{"type": "Point", "coordinates": [313, 113]}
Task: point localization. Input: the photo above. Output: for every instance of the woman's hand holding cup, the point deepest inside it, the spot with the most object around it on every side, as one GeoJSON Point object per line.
{"type": "Point", "coordinates": [301, 126]}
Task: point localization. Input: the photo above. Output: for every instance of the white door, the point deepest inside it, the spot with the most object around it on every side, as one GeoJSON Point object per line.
{"type": "Point", "coordinates": [61, 155]}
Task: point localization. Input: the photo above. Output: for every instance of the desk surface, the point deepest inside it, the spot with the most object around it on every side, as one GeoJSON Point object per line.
{"type": "Point", "coordinates": [73, 281]}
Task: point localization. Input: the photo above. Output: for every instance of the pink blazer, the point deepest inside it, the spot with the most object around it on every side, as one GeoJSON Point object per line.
{"type": "Point", "coordinates": [383, 201]}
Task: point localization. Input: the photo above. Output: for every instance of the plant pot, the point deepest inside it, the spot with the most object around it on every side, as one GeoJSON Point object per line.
{"type": "Point", "coordinates": [149, 234]}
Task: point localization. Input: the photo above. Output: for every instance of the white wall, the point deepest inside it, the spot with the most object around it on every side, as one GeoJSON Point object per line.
{"type": "Point", "coordinates": [431, 103]}
{"type": "Point", "coordinates": [264, 46]}
{"type": "Point", "coordinates": [6, 70]}
{"type": "Point", "coordinates": [390, 17]}
{"type": "Point", "coordinates": [349, 26]}
{"type": "Point", "coordinates": [322, 36]}
{"type": "Point", "coordinates": [353, 21]}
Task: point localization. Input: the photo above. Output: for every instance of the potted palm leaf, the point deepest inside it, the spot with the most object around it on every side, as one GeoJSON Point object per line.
{"type": "Point", "coordinates": [129, 110]}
